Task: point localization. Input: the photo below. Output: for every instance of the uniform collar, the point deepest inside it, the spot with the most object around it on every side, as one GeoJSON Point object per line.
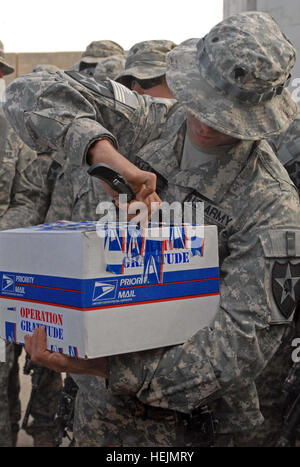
{"type": "Point", "coordinates": [214, 178]}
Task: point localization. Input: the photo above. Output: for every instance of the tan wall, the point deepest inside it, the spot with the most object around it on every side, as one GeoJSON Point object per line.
{"type": "Point", "coordinates": [24, 62]}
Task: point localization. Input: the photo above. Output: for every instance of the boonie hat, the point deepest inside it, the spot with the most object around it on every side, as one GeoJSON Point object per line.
{"type": "Point", "coordinates": [146, 60]}
{"type": "Point", "coordinates": [47, 67]}
{"type": "Point", "coordinates": [109, 67]}
{"type": "Point", "coordinates": [97, 50]}
{"type": "Point", "coordinates": [6, 68]}
{"type": "Point", "coordinates": [235, 79]}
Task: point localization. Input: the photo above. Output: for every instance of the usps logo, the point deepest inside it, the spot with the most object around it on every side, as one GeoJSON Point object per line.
{"type": "Point", "coordinates": [104, 290]}
{"type": "Point", "coordinates": [8, 283]}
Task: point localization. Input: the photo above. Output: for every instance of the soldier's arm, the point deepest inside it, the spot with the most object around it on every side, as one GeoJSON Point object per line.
{"type": "Point", "coordinates": [12, 149]}
{"type": "Point", "coordinates": [31, 191]}
{"type": "Point", "coordinates": [54, 111]}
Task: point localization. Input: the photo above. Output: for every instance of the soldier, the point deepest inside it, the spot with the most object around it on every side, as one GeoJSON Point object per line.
{"type": "Point", "coordinates": [210, 147]}
{"type": "Point", "coordinates": [270, 382]}
{"type": "Point", "coordinates": [145, 68]}
{"type": "Point", "coordinates": [12, 150]}
{"type": "Point", "coordinates": [105, 58]}
{"type": "Point", "coordinates": [22, 202]}
{"type": "Point", "coordinates": [76, 195]}
{"type": "Point", "coordinates": [287, 148]}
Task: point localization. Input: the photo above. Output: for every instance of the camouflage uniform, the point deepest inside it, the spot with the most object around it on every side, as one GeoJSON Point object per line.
{"type": "Point", "coordinates": [102, 59]}
{"type": "Point", "coordinates": [76, 196]}
{"type": "Point", "coordinates": [12, 149]}
{"type": "Point", "coordinates": [270, 382]}
{"type": "Point", "coordinates": [30, 198]}
{"type": "Point", "coordinates": [247, 194]}
{"type": "Point", "coordinates": [145, 60]}
{"type": "Point", "coordinates": [26, 181]}
{"type": "Point", "coordinates": [287, 148]}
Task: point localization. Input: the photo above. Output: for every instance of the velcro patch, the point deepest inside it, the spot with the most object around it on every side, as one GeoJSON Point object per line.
{"type": "Point", "coordinates": [212, 213]}
{"type": "Point", "coordinates": [124, 95]}
{"type": "Point", "coordinates": [286, 286]}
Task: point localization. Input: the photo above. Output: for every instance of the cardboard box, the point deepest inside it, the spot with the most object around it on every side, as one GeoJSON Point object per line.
{"type": "Point", "coordinates": [107, 290]}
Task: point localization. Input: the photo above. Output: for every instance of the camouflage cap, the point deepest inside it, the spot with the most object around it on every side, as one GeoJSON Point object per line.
{"type": "Point", "coordinates": [4, 66]}
{"type": "Point", "coordinates": [109, 67]}
{"type": "Point", "coordinates": [48, 67]}
{"type": "Point", "coordinates": [235, 78]}
{"type": "Point", "coordinates": [98, 50]}
{"type": "Point", "coordinates": [146, 60]}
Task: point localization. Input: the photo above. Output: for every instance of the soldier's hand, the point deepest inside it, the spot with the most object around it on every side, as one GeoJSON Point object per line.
{"type": "Point", "coordinates": [36, 346]}
{"type": "Point", "coordinates": [104, 152]}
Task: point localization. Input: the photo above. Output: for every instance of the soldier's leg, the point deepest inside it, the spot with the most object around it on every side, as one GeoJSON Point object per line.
{"type": "Point", "coordinates": [5, 422]}
{"type": "Point", "coordinates": [14, 392]}
{"type": "Point", "coordinates": [43, 409]}
{"type": "Point", "coordinates": [269, 386]}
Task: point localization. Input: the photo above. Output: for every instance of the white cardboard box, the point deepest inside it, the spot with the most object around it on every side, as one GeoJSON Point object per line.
{"type": "Point", "coordinates": [102, 295]}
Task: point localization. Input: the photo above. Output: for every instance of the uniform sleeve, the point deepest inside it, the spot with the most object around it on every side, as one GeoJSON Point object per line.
{"type": "Point", "coordinates": [13, 152]}
{"type": "Point", "coordinates": [53, 111]}
{"type": "Point", "coordinates": [259, 289]}
{"type": "Point", "coordinates": [31, 192]}
{"type": "Point", "coordinates": [62, 199]}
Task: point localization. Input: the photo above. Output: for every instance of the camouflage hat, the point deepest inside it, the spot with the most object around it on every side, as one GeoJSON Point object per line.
{"type": "Point", "coordinates": [146, 60]}
{"type": "Point", "coordinates": [4, 66]}
{"type": "Point", "coordinates": [234, 79]}
{"type": "Point", "coordinates": [49, 68]}
{"type": "Point", "coordinates": [109, 67]}
{"type": "Point", "coordinates": [98, 50]}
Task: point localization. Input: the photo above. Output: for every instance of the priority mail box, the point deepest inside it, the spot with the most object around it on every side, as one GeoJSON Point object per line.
{"type": "Point", "coordinates": [102, 290]}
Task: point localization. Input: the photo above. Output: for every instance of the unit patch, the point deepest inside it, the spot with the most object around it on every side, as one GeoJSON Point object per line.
{"type": "Point", "coordinates": [286, 286]}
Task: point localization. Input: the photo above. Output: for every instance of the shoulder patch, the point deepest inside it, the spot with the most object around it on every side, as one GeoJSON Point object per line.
{"type": "Point", "coordinates": [91, 84]}
{"type": "Point", "coordinates": [286, 286]}
{"type": "Point", "coordinates": [124, 95]}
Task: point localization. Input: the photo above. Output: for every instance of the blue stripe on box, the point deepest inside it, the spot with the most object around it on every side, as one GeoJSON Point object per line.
{"type": "Point", "coordinates": [86, 293]}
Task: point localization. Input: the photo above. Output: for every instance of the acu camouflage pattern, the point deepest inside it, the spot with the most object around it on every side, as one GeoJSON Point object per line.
{"type": "Point", "coordinates": [4, 66]}
{"type": "Point", "coordinates": [146, 60]}
{"type": "Point", "coordinates": [26, 183]}
{"type": "Point", "coordinates": [12, 150]}
{"type": "Point", "coordinates": [206, 75]}
{"type": "Point", "coordinates": [252, 198]}
{"type": "Point", "coordinates": [42, 67]}
{"type": "Point", "coordinates": [10, 407]}
{"type": "Point", "coordinates": [96, 51]}
{"type": "Point", "coordinates": [32, 189]}
{"type": "Point", "coordinates": [241, 187]}
{"type": "Point", "coordinates": [30, 199]}
{"type": "Point", "coordinates": [75, 196]}
{"type": "Point", "coordinates": [287, 148]}
{"type": "Point", "coordinates": [109, 67]}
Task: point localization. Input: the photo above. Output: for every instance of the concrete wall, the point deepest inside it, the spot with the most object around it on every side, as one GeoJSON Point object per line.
{"type": "Point", "coordinates": [286, 13]}
{"type": "Point", "coordinates": [24, 62]}
{"type": "Point", "coordinates": [231, 7]}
